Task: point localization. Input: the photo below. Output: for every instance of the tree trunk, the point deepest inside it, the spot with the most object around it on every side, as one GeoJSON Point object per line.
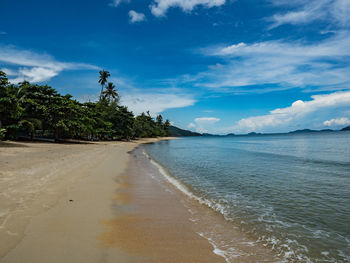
{"type": "Point", "coordinates": [101, 91]}
{"type": "Point", "coordinates": [57, 138]}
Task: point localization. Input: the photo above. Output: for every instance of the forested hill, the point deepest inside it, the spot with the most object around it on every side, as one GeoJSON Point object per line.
{"type": "Point", "coordinates": [177, 132]}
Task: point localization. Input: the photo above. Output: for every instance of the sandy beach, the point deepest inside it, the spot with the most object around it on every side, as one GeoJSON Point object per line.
{"type": "Point", "coordinates": [78, 203]}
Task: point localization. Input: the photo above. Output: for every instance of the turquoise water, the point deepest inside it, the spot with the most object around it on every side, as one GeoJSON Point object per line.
{"type": "Point", "coordinates": [290, 193]}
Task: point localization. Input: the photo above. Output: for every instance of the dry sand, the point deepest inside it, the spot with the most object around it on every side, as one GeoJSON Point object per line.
{"type": "Point", "coordinates": [76, 203]}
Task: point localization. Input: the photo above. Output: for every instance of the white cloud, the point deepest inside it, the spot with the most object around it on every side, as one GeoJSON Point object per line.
{"type": "Point", "coordinates": [201, 130]}
{"type": "Point", "coordinates": [299, 114]}
{"type": "Point", "coordinates": [36, 74]}
{"type": "Point", "coordinates": [341, 10]}
{"type": "Point", "coordinates": [337, 122]}
{"type": "Point", "coordinates": [136, 17]}
{"type": "Point", "coordinates": [3, 33]}
{"type": "Point", "coordinates": [34, 67]}
{"type": "Point", "coordinates": [336, 12]}
{"type": "Point", "coordinates": [310, 11]}
{"type": "Point", "coordinates": [298, 17]}
{"type": "Point", "coordinates": [191, 125]}
{"type": "Point", "coordinates": [335, 46]}
{"type": "Point", "coordinates": [155, 102]}
{"type": "Point", "coordinates": [203, 124]}
{"type": "Point", "coordinates": [9, 72]}
{"type": "Point", "coordinates": [206, 120]}
{"type": "Point", "coordinates": [116, 3]}
{"type": "Point", "coordinates": [160, 7]}
{"type": "Point", "coordinates": [142, 100]}
{"type": "Point", "coordinates": [324, 65]}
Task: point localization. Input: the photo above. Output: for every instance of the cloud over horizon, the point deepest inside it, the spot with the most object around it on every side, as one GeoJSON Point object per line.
{"type": "Point", "coordinates": [154, 102]}
{"type": "Point", "coordinates": [300, 114]}
{"type": "Point", "coordinates": [21, 65]}
{"type": "Point", "coordinates": [337, 122]}
{"type": "Point", "coordinates": [202, 124]}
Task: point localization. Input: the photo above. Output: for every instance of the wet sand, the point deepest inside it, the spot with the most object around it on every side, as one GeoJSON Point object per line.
{"type": "Point", "coordinates": [80, 203]}
{"type": "Point", "coordinates": [153, 223]}
{"type": "Point", "coordinates": [169, 226]}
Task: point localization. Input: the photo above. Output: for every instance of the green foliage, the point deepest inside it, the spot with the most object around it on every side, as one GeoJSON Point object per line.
{"type": "Point", "coordinates": [110, 94]}
{"type": "Point", "coordinates": [9, 106]}
{"type": "Point", "coordinates": [104, 75]}
{"type": "Point", "coordinates": [2, 134]}
{"type": "Point", "coordinates": [167, 128]}
{"type": "Point", "coordinates": [123, 123]}
{"type": "Point", "coordinates": [31, 110]}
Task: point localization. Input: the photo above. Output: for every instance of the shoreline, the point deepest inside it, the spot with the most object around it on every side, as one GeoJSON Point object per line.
{"type": "Point", "coordinates": [58, 200]}
{"type": "Point", "coordinates": [208, 221]}
{"type": "Point", "coordinates": [153, 223]}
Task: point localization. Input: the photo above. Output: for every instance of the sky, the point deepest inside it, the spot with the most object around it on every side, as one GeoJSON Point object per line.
{"type": "Point", "coordinates": [216, 66]}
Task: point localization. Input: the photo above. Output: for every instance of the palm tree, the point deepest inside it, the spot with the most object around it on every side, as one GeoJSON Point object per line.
{"type": "Point", "coordinates": [110, 92]}
{"type": "Point", "coordinates": [103, 79]}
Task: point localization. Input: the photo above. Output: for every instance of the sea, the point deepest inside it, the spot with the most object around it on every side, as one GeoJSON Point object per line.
{"type": "Point", "coordinates": [288, 193]}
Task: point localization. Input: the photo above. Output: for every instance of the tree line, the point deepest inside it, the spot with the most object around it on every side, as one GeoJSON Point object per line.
{"type": "Point", "coordinates": [39, 111]}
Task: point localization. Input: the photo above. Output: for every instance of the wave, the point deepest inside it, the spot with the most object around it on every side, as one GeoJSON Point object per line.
{"type": "Point", "coordinates": [184, 189]}
{"type": "Point", "coordinates": [294, 158]}
{"type": "Point", "coordinates": [285, 247]}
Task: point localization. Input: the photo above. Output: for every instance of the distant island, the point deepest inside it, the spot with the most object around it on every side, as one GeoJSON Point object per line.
{"type": "Point", "coordinates": [177, 132]}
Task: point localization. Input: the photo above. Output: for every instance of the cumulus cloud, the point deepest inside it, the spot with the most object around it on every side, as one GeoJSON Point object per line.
{"type": "Point", "coordinates": [336, 12]}
{"type": "Point", "coordinates": [280, 64]}
{"type": "Point", "coordinates": [136, 17]}
{"type": "Point", "coordinates": [34, 67]}
{"type": "Point", "coordinates": [203, 124]}
{"type": "Point", "coordinates": [191, 125]}
{"type": "Point", "coordinates": [305, 113]}
{"type": "Point", "coordinates": [337, 122]}
{"type": "Point", "coordinates": [155, 102]}
{"type": "Point", "coordinates": [160, 7]}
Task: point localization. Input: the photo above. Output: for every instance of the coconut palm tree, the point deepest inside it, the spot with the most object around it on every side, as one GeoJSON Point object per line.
{"type": "Point", "coordinates": [103, 79]}
{"type": "Point", "coordinates": [110, 92]}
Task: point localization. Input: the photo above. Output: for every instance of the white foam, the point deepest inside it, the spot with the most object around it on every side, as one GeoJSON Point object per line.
{"type": "Point", "coordinates": [220, 252]}
{"type": "Point", "coordinates": [188, 193]}
{"type": "Point", "coordinates": [216, 206]}
{"type": "Point", "coordinates": [216, 250]}
{"type": "Point", "coordinates": [170, 179]}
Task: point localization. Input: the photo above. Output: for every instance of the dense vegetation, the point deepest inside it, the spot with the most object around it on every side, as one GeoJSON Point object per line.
{"type": "Point", "coordinates": [31, 110]}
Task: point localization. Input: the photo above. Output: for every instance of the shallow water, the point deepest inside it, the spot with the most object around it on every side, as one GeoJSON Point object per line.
{"type": "Point", "coordinates": [290, 193]}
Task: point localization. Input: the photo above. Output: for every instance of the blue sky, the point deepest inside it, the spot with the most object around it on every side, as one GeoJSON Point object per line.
{"type": "Point", "coordinates": [214, 66]}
